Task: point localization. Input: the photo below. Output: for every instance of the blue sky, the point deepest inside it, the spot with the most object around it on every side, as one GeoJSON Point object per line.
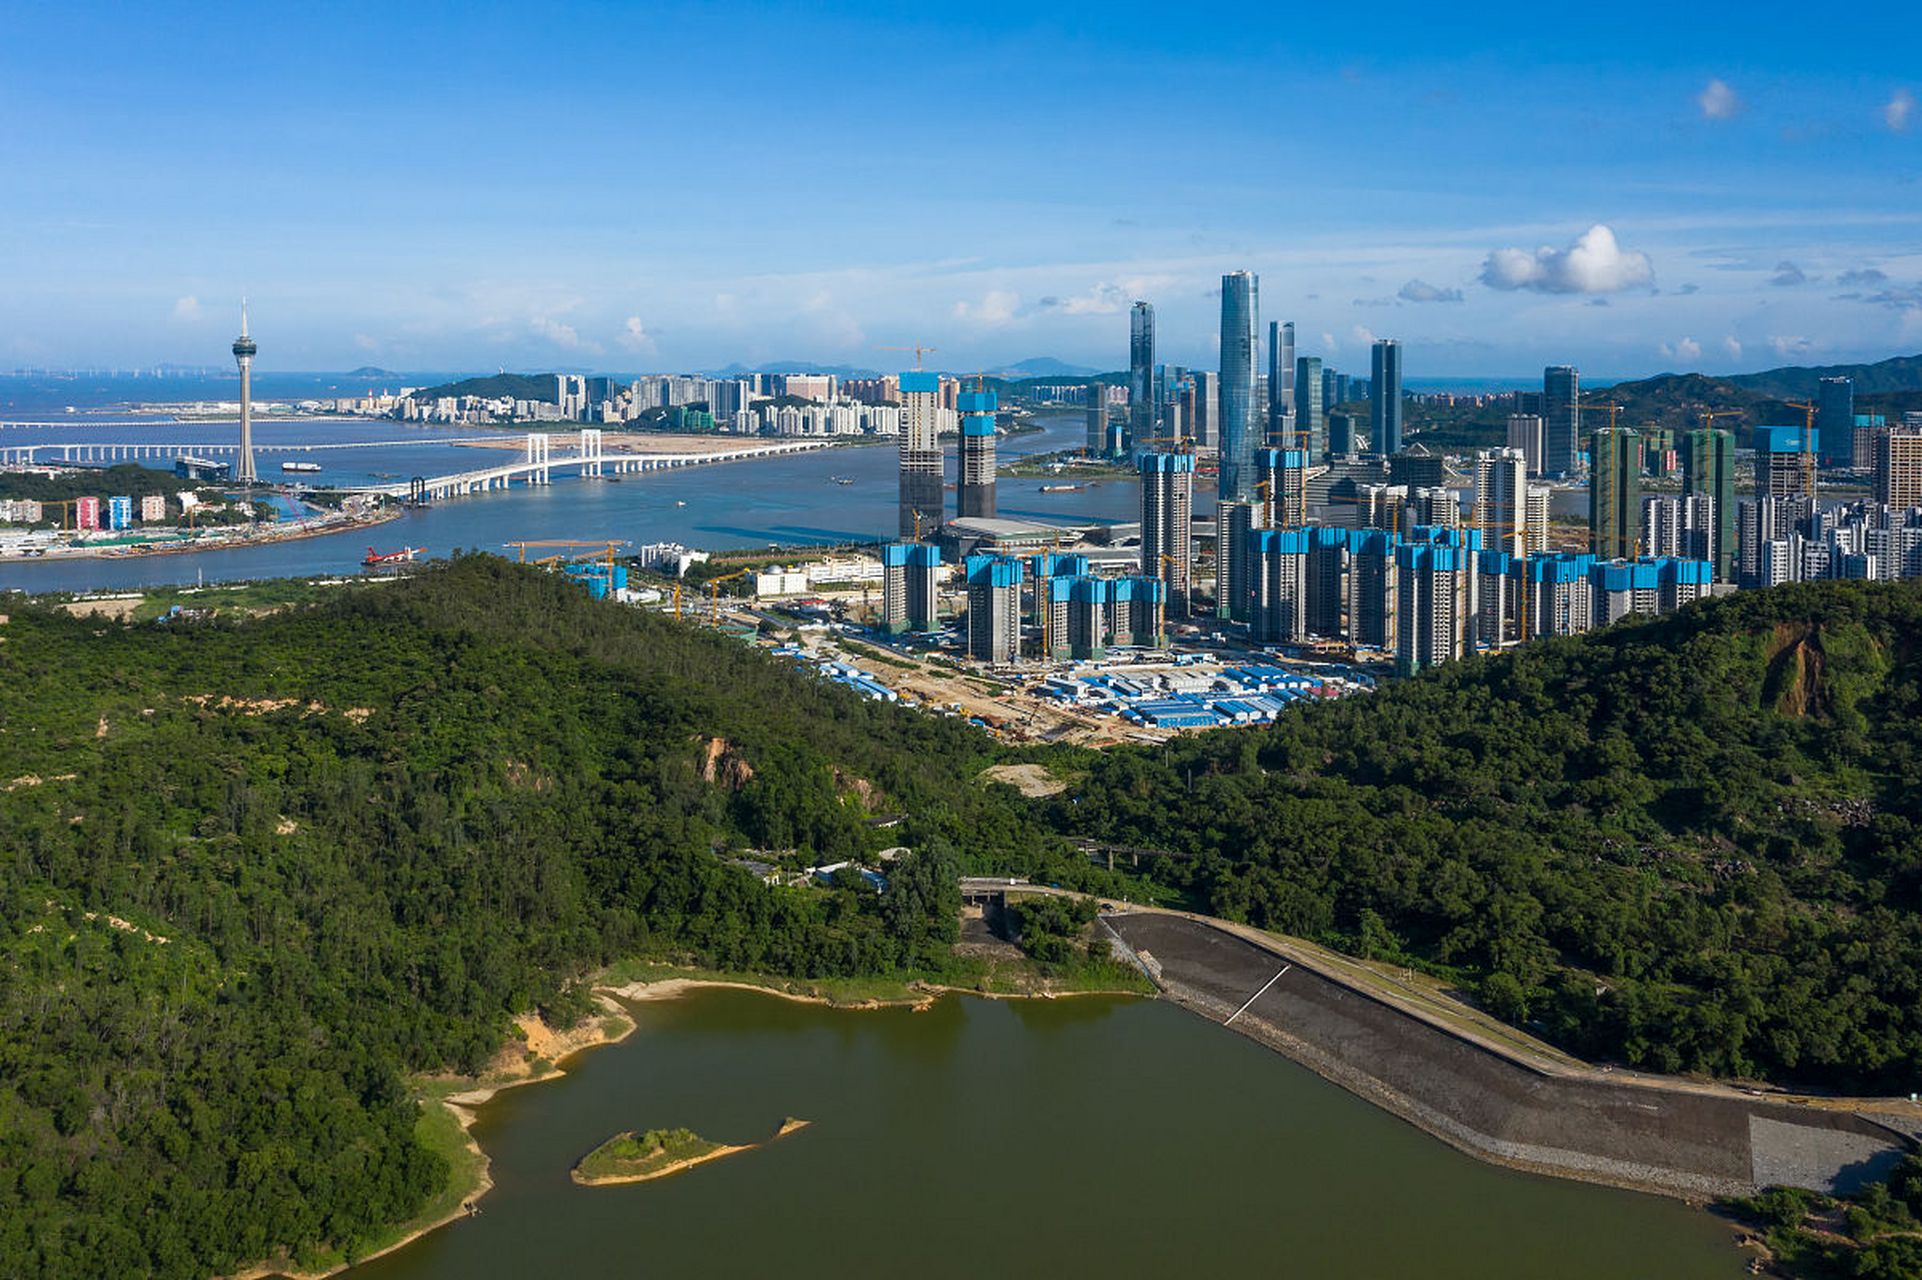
{"type": "Point", "coordinates": [633, 187]}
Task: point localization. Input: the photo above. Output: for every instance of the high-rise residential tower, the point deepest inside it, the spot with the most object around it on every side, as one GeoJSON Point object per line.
{"type": "Point", "coordinates": [1561, 419]}
{"type": "Point", "coordinates": [1615, 493]}
{"type": "Point", "coordinates": [1167, 516]}
{"type": "Point", "coordinates": [922, 503]}
{"type": "Point", "coordinates": [244, 356]}
{"type": "Point", "coordinates": [1240, 343]}
{"type": "Point", "coordinates": [1384, 408]}
{"type": "Point", "coordinates": [974, 495]}
{"type": "Point", "coordinates": [1141, 373]}
{"type": "Point", "coordinates": [1525, 433]}
{"type": "Point", "coordinates": [1501, 500]}
{"type": "Point", "coordinates": [1708, 471]}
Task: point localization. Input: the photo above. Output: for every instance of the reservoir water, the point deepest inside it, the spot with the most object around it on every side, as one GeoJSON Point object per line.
{"type": "Point", "coordinates": [1092, 1136]}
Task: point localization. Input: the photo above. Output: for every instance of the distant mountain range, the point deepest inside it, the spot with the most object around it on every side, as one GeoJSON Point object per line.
{"type": "Point", "coordinates": [1891, 386]}
{"type": "Point", "coordinates": [1043, 367]}
{"type": "Point", "coordinates": [738, 370]}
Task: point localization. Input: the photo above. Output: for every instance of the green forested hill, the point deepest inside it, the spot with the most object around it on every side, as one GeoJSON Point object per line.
{"type": "Point", "coordinates": [521, 386]}
{"type": "Point", "coordinates": [251, 875]}
{"type": "Point", "coordinates": [1692, 843]}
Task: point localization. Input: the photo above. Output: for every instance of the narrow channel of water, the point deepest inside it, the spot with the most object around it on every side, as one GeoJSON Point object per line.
{"type": "Point", "coordinates": [1091, 1136]}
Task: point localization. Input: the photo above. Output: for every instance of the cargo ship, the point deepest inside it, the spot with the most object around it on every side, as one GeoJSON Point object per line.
{"type": "Point", "coordinates": [304, 468]}
{"type": "Point", "coordinates": [1060, 488]}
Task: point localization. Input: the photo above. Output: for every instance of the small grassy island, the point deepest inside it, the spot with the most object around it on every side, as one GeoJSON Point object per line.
{"type": "Point", "coordinates": [631, 1157]}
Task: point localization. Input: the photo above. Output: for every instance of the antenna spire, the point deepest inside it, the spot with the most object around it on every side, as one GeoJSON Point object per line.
{"type": "Point", "coordinates": [243, 317]}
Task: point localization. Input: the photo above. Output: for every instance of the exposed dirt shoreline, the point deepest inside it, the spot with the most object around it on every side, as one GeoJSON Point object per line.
{"type": "Point", "coordinates": [540, 1054]}
{"type": "Point", "coordinates": [790, 1125]}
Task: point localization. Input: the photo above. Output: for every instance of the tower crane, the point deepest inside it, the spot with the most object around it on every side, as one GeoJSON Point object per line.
{"type": "Point", "coordinates": [714, 594]}
{"type": "Point", "coordinates": [918, 350]}
{"type": "Point", "coordinates": [563, 542]}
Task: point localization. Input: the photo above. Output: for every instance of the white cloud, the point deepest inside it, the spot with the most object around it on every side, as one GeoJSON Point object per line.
{"type": "Point", "coordinates": [1684, 349]}
{"type": "Point", "coordinates": [1105, 299]}
{"type": "Point", "coordinates": [1718, 101]}
{"type": "Point", "coordinates": [1363, 335]}
{"type": "Point", "coordinates": [187, 308]}
{"type": "Point", "coordinates": [1733, 346]}
{"type": "Point", "coordinates": [1788, 347]}
{"type": "Point", "coordinates": [1594, 263]}
{"type": "Point", "coordinates": [1897, 111]}
{"type": "Point", "coordinates": [1327, 341]}
{"type": "Point", "coordinates": [636, 338]}
{"type": "Point", "coordinates": [1422, 291]}
{"type": "Point", "coordinates": [997, 306]}
{"type": "Point", "coordinates": [562, 335]}
{"type": "Point", "coordinates": [366, 342]}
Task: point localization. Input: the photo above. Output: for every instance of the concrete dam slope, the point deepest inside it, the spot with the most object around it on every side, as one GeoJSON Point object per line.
{"type": "Point", "coordinates": [1686, 1140]}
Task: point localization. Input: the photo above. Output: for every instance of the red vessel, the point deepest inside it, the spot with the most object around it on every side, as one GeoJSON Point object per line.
{"type": "Point", "coordinates": [401, 556]}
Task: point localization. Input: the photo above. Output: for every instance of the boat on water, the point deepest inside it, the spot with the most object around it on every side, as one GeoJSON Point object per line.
{"type": "Point", "coordinates": [304, 468]}
{"type": "Point", "coordinates": [374, 559]}
{"type": "Point", "coordinates": [1060, 488]}
{"type": "Point", "coordinates": [842, 479]}
{"type": "Point", "coordinates": [679, 503]}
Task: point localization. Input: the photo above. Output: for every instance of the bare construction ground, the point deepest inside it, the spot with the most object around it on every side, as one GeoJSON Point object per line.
{"type": "Point", "coordinates": [1556, 1117]}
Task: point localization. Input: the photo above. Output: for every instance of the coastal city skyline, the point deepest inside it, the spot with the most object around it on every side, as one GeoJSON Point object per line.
{"type": "Point", "coordinates": [1719, 204]}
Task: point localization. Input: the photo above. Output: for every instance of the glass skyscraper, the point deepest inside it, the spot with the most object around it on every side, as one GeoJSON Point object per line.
{"type": "Point", "coordinates": [1240, 347]}
{"type": "Point", "coordinates": [1561, 420]}
{"type": "Point", "coordinates": [1141, 373]}
{"type": "Point", "coordinates": [1311, 422]}
{"type": "Point", "coordinates": [1835, 421]}
{"type": "Point", "coordinates": [1384, 407]}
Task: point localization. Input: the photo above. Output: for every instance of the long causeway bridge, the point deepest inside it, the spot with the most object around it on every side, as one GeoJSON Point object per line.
{"type": "Point", "coordinates": [538, 460]}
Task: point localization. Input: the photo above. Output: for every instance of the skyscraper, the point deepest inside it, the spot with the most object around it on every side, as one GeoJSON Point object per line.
{"type": "Point", "coordinates": [1835, 420]}
{"type": "Point", "coordinates": [921, 494]}
{"type": "Point", "coordinates": [1097, 443]}
{"type": "Point", "coordinates": [1281, 373]}
{"type": "Point", "coordinates": [974, 495]}
{"type": "Point", "coordinates": [244, 356]}
{"type": "Point", "coordinates": [909, 598]}
{"type": "Point", "coordinates": [1240, 342]}
{"type": "Point", "coordinates": [1615, 493]}
{"type": "Point", "coordinates": [994, 608]}
{"type": "Point", "coordinates": [1311, 425]}
{"type": "Point", "coordinates": [1205, 429]}
{"type": "Point", "coordinates": [1384, 407]}
{"type": "Point", "coordinates": [1561, 419]}
{"type": "Point", "coordinates": [1288, 367]}
{"type": "Point", "coordinates": [1898, 469]}
{"type": "Point", "coordinates": [1141, 373]}
{"type": "Point", "coordinates": [1501, 500]}
{"type": "Point", "coordinates": [1525, 433]}
{"type": "Point", "coordinates": [1708, 470]}
{"type": "Point", "coordinates": [1785, 461]}
{"type": "Point", "coordinates": [1167, 512]}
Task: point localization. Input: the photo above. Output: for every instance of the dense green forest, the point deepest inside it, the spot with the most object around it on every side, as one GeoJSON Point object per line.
{"type": "Point", "coordinates": [252, 874]}
{"type": "Point", "coordinates": [1688, 843]}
